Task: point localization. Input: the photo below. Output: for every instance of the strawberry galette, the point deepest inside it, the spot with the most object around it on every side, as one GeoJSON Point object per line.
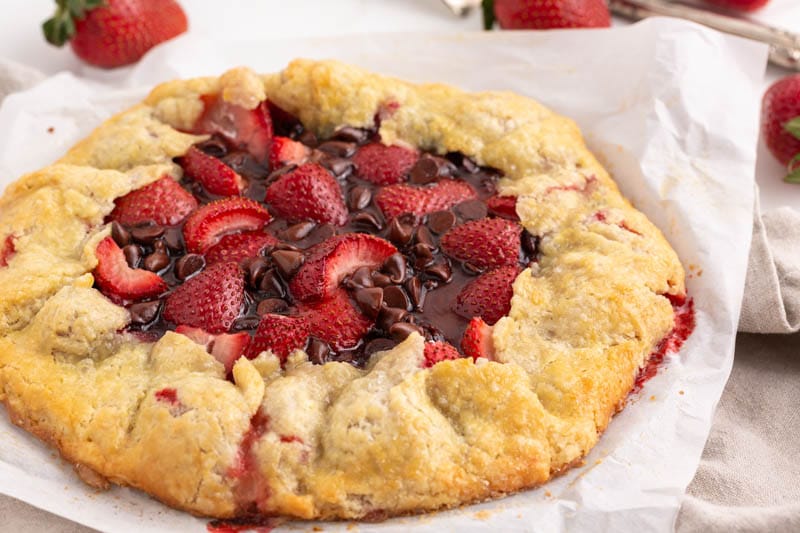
{"type": "Point", "coordinates": [326, 294]}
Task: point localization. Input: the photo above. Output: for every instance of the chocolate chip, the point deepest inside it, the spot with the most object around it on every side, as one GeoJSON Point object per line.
{"type": "Point", "coordinates": [381, 280]}
{"type": "Point", "coordinates": [120, 235]}
{"type": "Point", "coordinates": [441, 221]}
{"type": "Point", "coordinates": [423, 236]}
{"type": "Point", "coordinates": [440, 271]}
{"type": "Point", "coordinates": [271, 284]}
{"type": "Point", "coordinates": [159, 246]}
{"type": "Point", "coordinates": [395, 296]}
{"type": "Point", "coordinates": [379, 345]}
{"type": "Point", "coordinates": [359, 198]}
{"type": "Point", "coordinates": [415, 292]}
{"type": "Point", "coordinates": [322, 233]}
{"type": "Point", "coordinates": [144, 312]}
{"type": "Point", "coordinates": [215, 147]}
{"type": "Point", "coordinates": [255, 267]}
{"type": "Point", "coordinates": [246, 165]}
{"type": "Point", "coordinates": [430, 284]}
{"type": "Point", "coordinates": [388, 316]}
{"type": "Point", "coordinates": [271, 305]}
{"type": "Point", "coordinates": [472, 270]}
{"type": "Point", "coordinates": [147, 234]}
{"type": "Point", "coordinates": [471, 210]}
{"type": "Point", "coordinates": [530, 243]}
{"type": "Point", "coordinates": [400, 330]}
{"type": "Point", "coordinates": [469, 165]}
{"type": "Point", "coordinates": [395, 268]}
{"type": "Point", "coordinates": [156, 261]}
{"type": "Point", "coordinates": [423, 254]}
{"type": "Point", "coordinates": [286, 246]}
{"type": "Point", "coordinates": [399, 232]}
{"type": "Point", "coordinates": [317, 351]}
{"type": "Point", "coordinates": [369, 300]}
{"type": "Point", "coordinates": [308, 138]}
{"type": "Point", "coordinates": [425, 170]}
{"type": "Point", "coordinates": [287, 262]}
{"type": "Point", "coordinates": [338, 148]}
{"type": "Point", "coordinates": [188, 265]}
{"type": "Point", "coordinates": [173, 239]}
{"type": "Point", "coordinates": [133, 254]}
{"type": "Point", "coordinates": [360, 279]}
{"type": "Point", "coordinates": [340, 167]}
{"type": "Point", "coordinates": [367, 219]}
{"type": "Point", "coordinates": [245, 323]}
{"type": "Point", "coordinates": [298, 231]}
{"type": "Point", "coordinates": [351, 134]}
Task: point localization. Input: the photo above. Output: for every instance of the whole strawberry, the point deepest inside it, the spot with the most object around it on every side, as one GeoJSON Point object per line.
{"type": "Point", "coordinates": [740, 5]}
{"type": "Point", "coordinates": [780, 124]}
{"type": "Point", "coordinates": [546, 14]}
{"type": "Point", "coordinates": [113, 33]}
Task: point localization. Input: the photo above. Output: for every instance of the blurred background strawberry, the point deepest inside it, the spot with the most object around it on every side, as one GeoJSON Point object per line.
{"type": "Point", "coordinates": [546, 14]}
{"type": "Point", "coordinates": [780, 123]}
{"type": "Point", "coordinates": [113, 33]}
{"type": "Point", "coordinates": [741, 5]}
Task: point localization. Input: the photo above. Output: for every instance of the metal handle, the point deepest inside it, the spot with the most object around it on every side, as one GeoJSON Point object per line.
{"type": "Point", "coordinates": [784, 46]}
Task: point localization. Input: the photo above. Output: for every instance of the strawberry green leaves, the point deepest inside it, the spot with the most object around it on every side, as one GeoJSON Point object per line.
{"type": "Point", "coordinates": [61, 27]}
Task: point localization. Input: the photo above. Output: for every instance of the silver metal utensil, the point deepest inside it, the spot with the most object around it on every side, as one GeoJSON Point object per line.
{"type": "Point", "coordinates": [784, 46]}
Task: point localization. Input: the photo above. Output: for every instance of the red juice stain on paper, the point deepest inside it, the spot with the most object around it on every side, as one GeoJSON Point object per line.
{"type": "Point", "coordinates": [684, 325]}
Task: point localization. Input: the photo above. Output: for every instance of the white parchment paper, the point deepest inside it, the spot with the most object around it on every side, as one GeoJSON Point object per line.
{"type": "Point", "coordinates": [669, 107]}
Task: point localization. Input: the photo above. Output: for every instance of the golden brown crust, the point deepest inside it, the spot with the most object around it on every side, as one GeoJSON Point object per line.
{"type": "Point", "coordinates": [338, 442]}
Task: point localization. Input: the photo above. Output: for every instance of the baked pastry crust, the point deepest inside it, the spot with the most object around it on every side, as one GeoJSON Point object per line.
{"type": "Point", "coordinates": [336, 441]}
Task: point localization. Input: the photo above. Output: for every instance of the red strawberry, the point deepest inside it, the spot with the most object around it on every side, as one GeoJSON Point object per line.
{"type": "Point", "coordinates": [546, 14]}
{"type": "Point", "coordinates": [489, 296]}
{"type": "Point", "coordinates": [120, 282]}
{"type": "Point", "coordinates": [244, 129]}
{"type": "Point", "coordinates": [486, 243]}
{"type": "Point", "coordinates": [213, 174]}
{"type": "Point", "coordinates": [239, 246]}
{"type": "Point", "coordinates": [477, 340]}
{"type": "Point", "coordinates": [285, 151]}
{"type": "Point", "coordinates": [206, 226]}
{"type": "Point", "coordinates": [7, 251]}
{"type": "Point", "coordinates": [384, 165]}
{"type": "Point", "coordinates": [281, 334]}
{"type": "Point", "coordinates": [741, 5]}
{"type": "Point", "coordinates": [225, 347]}
{"type": "Point", "coordinates": [211, 300]}
{"type": "Point", "coordinates": [780, 123]}
{"type": "Point", "coordinates": [394, 200]}
{"type": "Point", "coordinates": [163, 201]}
{"type": "Point", "coordinates": [503, 206]}
{"type": "Point", "coordinates": [436, 352]}
{"type": "Point", "coordinates": [308, 192]}
{"type": "Point", "coordinates": [335, 320]}
{"type": "Point", "coordinates": [328, 263]}
{"type": "Point", "coordinates": [113, 33]}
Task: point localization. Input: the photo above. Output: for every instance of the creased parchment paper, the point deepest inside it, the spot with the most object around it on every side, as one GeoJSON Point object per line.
{"type": "Point", "coordinates": [670, 108]}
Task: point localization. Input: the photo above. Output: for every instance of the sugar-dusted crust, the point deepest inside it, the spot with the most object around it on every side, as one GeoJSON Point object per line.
{"type": "Point", "coordinates": [338, 442]}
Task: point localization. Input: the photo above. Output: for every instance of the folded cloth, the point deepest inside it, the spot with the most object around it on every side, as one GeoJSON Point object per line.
{"type": "Point", "coordinates": [749, 479]}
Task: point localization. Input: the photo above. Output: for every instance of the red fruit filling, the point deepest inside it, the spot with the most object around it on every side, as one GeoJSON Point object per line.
{"type": "Point", "coordinates": [341, 247]}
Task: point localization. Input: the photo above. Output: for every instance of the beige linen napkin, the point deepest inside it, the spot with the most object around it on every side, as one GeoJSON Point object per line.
{"type": "Point", "coordinates": [749, 478]}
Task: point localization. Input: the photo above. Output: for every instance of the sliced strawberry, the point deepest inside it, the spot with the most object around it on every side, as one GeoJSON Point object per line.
{"type": "Point", "coordinates": [477, 340]}
{"type": "Point", "coordinates": [503, 206]}
{"type": "Point", "coordinates": [285, 151]}
{"type": "Point", "coordinates": [309, 192]}
{"type": "Point", "coordinates": [120, 282]}
{"type": "Point", "coordinates": [245, 129]}
{"type": "Point", "coordinates": [163, 201]}
{"type": "Point", "coordinates": [489, 296]}
{"type": "Point", "coordinates": [328, 263]}
{"type": "Point", "coordinates": [7, 251]}
{"type": "Point", "coordinates": [211, 300]}
{"type": "Point", "coordinates": [281, 334]}
{"type": "Point", "coordinates": [486, 243]}
{"type": "Point", "coordinates": [384, 165]}
{"type": "Point", "coordinates": [394, 200]}
{"type": "Point", "coordinates": [335, 320]}
{"type": "Point", "coordinates": [225, 347]}
{"type": "Point", "coordinates": [206, 226]}
{"type": "Point", "coordinates": [239, 246]}
{"type": "Point", "coordinates": [436, 352]}
{"type": "Point", "coordinates": [213, 174]}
